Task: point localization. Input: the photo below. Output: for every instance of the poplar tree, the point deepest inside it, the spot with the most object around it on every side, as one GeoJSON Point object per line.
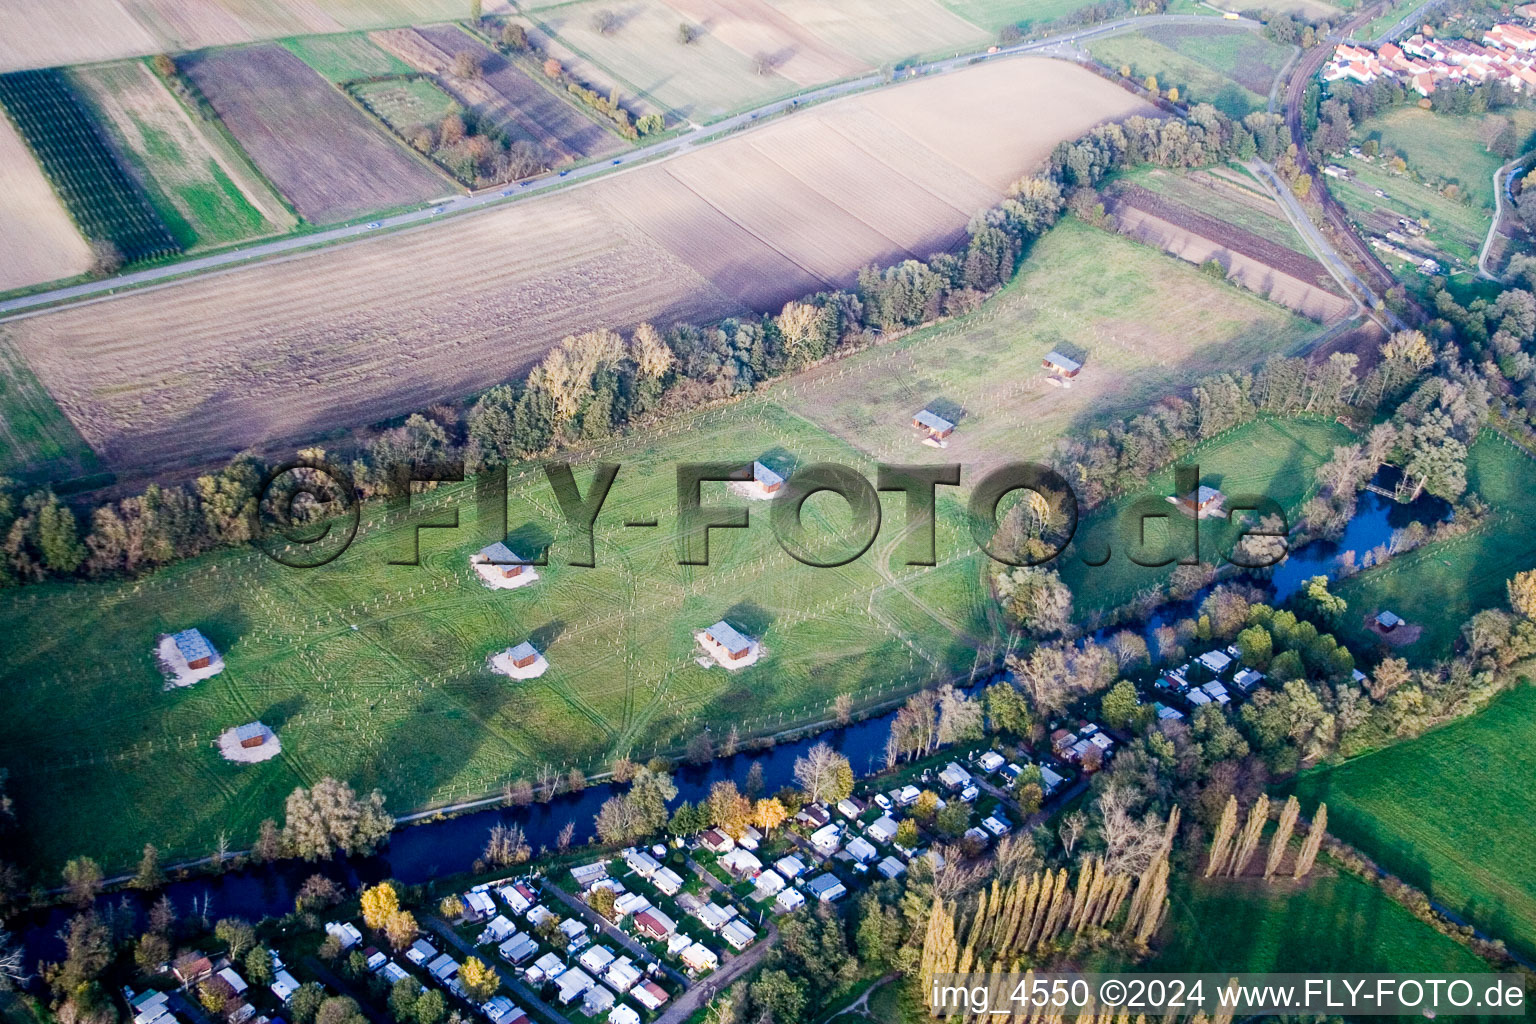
{"type": "Point", "coordinates": [1309, 849]}
{"type": "Point", "coordinates": [1282, 837]}
{"type": "Point", "coordinates": [1221, 842]}
{"type": "Point", "coordinates": [1253, 830]}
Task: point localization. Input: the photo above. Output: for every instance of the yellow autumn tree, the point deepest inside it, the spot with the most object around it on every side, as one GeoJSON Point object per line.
{"type": "Point", "coordinates": [478, 981]}
{"type": "Point", "coordinates": [379, 903]}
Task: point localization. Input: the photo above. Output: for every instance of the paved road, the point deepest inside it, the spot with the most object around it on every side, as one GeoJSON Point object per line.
{"type": "Point", "coordinates": [1064, 45]}
{"type": "Point", "coordinates": [1406, 22]}
{"type": "Point", "coordinates": [1302, 75]}
{"type": "Point", "coordinates": [1501, 209]}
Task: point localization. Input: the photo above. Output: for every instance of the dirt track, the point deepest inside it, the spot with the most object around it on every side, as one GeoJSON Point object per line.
{"type": "Point", "coordinates": [349, 336]}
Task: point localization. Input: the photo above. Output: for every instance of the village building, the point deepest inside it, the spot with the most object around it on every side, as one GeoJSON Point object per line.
{"type": "Point", "coordinates": [653, 924]}
{"type": "Point", "coordinates": [517, 949]}
{"type": "Point", "coordinates": [345, 932]}
{"type": "Point", "coordinates": [677, 943]}
{"type": "Point", "coordinates": [934, 428]}
{"type": "Point", "coordinates": [521, 662]}
{"type": "Point", "coordinates": [1201, 503]}
{"type": "Point", "coordinates": [769, 883]}
{"type": "Point", "coordinates": [518, 898]}
{"type": "Point", "coordinates": [572, 985]}
{"type": "Point", "coordinates": [954, 776]}
{"type": "Point", "coordinates": [742, 864]}
{"type": "Point", "coordinates": [906, 796]}
{"type": "Point", "coordinates": [421, 953]}
{"type": "Point", "coordinates": [393, 973]}
{"type": "Point", "coordinates": [789, 866]}
{"type": "Point", "coordinates": [630, 903]}
{"type": "Point", "coordinates": [497, 930]}
{"type": "Point", "coordinates": [826, 888]}
{"type": "Point", "coordinates": [714, 916]}
{"type": "Point", "coordinates": [850, 807]}
{"type": "Point", "coordinates": [814, 815]}
{"type": "Point", "coordinates": [750, 838]}
{"type": "Point", "coordinates": [826, 839]}
{"type": "Point", "coordinates": [478, 905]}
{"type": "Point", "coordinates": [1217, 691]}
{"type": "Point", "coordinates": [641, 863]}
{"type": "Point", "coordinates": [596, 959]}
{"type": "Point", "coordinates": [861, 850]}
{"type": "Point", "coordinates": [444, 969]}
{"type": "Point", "coordinates": [649, 995]}
{"type": "Point", "coordinates": [1216, 661]}
{"type": "Point", "coordinates": [501, 1010]}
{"type": "Point", "coordinates": [376, 960]}
{"type": "Point", "coordinates": [283, 986]}
{"type": "Point", "coordinates": [545, 969]}
{"type": "Point", "coordinates": [538, 914]}
{"type": "Point", "coordinates": [624, 1015]}
{"type": "Point", "coordinates": [575, 933]}
{"type": "Point", "coordinates": [729, 648]}
{"type": "Point", "coordinates": [1050, 779]}
{"type": "Point", "coordinates": [588, 875]}
{"type": "Point", "coordinates": [739, 934]}
{"type": "Point", "coordinates": [991, 761]}
{"type": "Point", "coordinates": [250, 743]}
{"type": "Point", "coordinates": [669, 882]}
{"type": "Point", "coordinates": [882, 829]}
{"type": "Point", "coordinates": [789, 901]}
{"type": "Point", "coordinates": [1246, 679]}
{"type": "Point", "coordinates": [1387, 621]}
{"type": "Point", "coordinates": [187, 658]}
{"type": "Point", "coordinates": [715, 840]}
{"type": "Point", "coordinates": [622, 975]}
{"type": "Point", "coordinates": [891, 868]}
{"type": "Point", "coordinates": [997, 826]}
{"type": "Point", "coordinates": [699, 958]}
{"type": "Point", "coordinates": [1507, 53]}
{"type": "Point", "coordinates": [500, 568]}
{"type": "Point", "coordinates": [149, 1007]}
{"type": "Point", "coordinates": [598, 999]}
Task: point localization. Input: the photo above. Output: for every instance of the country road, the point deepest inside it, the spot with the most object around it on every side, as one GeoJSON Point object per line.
{"type": "Point", "coordinates": [1501, 203]}
{"type": "Point", "coordinates": [1064, 45]}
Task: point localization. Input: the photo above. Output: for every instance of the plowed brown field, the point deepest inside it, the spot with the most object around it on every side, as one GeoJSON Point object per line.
{"type": "Point", "coordinates": [286, 351]}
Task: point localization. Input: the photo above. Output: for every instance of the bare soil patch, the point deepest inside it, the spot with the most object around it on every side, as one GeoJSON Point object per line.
{"type": "Point", "coordinates": [307, 138]}
{"type": "Point", "coordinates": [1256, 263]}
{"type": "Point", "coordinates": [38, 241]}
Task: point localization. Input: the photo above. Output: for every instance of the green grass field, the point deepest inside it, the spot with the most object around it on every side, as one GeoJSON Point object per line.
{"type": "Point", "coordinates": [1452, 148]}
{"type": "Point", "coordinates": [187, 168]}
{"type": "Point", "coordinates": [406, 103]}
{"type": "Point", "coordinates": [1329, 922]}
{"type": "Point", "coordinates": [1440, 586]}
{"type": "Point", "coordinates": [1275, 458]}
{"type": "Point", "coordinates": [376, 672]}
{"type": "Point", "coordinates": [341, 58]}
{"type": "Point", "coordinates": [1456, 229]}
{"type": "Point", "coordinates": [36, 438]}
{"type": "Point", "coordinates": [1213, 63]}
{"type": "Point", "coordinates": [1451, 813]}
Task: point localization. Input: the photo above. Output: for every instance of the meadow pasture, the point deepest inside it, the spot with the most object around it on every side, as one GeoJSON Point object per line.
{"type": "Point", "coordinates": [1450, 813]}
{"type": "Point", "coordinates": [316, 343]}
{"type": "Point", "coordinates": [1328, 922]}
{"type": "Point", "coordinates": [376, 672]}
{"type": "Point", "coordinates": [1221, 64]}
{"type": "Point", "coordinates": [345, 57]}
{"type": "Point", "coordinates": [42, 243]}
{"type": "Point", "coordinates": [1440, 586]}
{"type": "Point", "coordinates": [319, 150]}
{"type": "Point", "coordinates": [204, 188]}
{"type": "Point", "coordinates": [1450, 148]}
